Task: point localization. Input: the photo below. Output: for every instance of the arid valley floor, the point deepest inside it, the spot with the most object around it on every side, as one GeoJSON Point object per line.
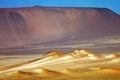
{"type": "Point", "coordinates": [76, 65]}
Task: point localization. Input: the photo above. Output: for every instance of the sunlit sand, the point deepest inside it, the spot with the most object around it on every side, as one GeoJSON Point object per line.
{"type": "Point", "coordinates": [76, 65]}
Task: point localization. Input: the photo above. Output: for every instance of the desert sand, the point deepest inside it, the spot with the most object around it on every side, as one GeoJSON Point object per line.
{"type": "Point", "coordinates": [76, 65]}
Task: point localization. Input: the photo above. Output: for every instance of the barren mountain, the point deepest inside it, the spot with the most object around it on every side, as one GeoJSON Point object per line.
{"type": "Point", "coordinates": [42, 25]}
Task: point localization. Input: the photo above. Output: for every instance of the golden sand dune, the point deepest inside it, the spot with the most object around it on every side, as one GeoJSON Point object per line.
{"type": "Point", "coordinates": [46, 72]}
{"type": "Point", "coordinates": [55, 54]}
{"type": "Point", "coordinates": [113, 56]}
{"type": "Point", "coordinates": [84, 53]}
{"type": "Point", "coordinates": [71, 72]}
{"type": "Point", "coordinates": [76, 65]}
{"type": "Point", "coordinates": [16, 73]}
{"type": "Point", "coordinates": [66, 74]}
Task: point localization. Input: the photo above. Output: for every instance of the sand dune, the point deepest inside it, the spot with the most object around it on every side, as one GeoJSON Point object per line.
{"type": "Point", "coordinates": [70, 66]}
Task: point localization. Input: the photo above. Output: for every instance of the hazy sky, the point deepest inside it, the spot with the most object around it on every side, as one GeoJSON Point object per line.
{"type": "Point", "coordinates": [111, 4]}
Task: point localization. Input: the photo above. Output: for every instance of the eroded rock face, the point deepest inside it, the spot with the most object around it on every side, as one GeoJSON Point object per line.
{"type": "Point", "coordinates": [27, 26]}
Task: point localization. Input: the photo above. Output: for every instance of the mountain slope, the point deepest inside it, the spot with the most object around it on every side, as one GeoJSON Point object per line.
{"type": "Point", "coordinates": [27, 26]}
